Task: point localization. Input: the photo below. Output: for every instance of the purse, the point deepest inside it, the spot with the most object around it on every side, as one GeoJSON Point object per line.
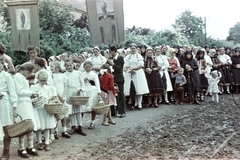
{"type": "Point", "coordinates": [19, 129]}
{"type": "Point", "coordinates": [116, 87]}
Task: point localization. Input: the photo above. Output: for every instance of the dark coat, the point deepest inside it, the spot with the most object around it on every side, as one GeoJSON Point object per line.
{"type": "Point", "coordinates": [118, 69]}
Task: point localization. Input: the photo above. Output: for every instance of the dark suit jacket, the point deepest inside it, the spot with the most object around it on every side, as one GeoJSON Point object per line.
{"type": "Point", "coordinates": [118, 69]}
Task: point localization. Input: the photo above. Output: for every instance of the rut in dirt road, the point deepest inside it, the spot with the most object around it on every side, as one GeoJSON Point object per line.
{"type": "Point", "coordinates": [209, 131]}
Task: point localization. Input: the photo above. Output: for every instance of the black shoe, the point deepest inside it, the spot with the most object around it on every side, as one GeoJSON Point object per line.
{"type": "Point", "coordinates": [23, 153]}
{"type": "Point", "coordinates": [167, 102]}
{"type": "Point", "coordinates": [66, 134]}
{"type": "Point", "coordinates": [5, 157]}
{"type": "Point", "coordinates": [32, 151]}
{"type": "Point", "coordinates": [148, 105]}
{"type": "Point", "coordinates": [56, 136]}
{"type": "Point", "coordinates": [92, 126]}
{"type": "Point", "coordinates": [156, 105]}
{"type": "Point", "coordinates": [73, 130]}
{"type": "Point", "coordinates": [196, 102]}
{"type": "Point", "coordinates": [122, 115]}
{"type": "Point", "coordinates": [80, 130]}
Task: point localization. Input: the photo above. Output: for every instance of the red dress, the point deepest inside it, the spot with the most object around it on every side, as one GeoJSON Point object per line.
{"type": "Point", "coordinates": [107, 82]}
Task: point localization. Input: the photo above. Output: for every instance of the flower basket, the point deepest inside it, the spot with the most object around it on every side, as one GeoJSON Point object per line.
{"type": "Point", "coordinates": [55, 106]}
{"type": "Point", "coordinates": [79, 100]}
{"type": "Point", "coordinates": [39, 101]}
{"type": "Point", "coordinates": [62, 115]}
{"type": "Point", "coordinates": [21, 128]}
{"type": "Point", "coordinates": [101, 108]}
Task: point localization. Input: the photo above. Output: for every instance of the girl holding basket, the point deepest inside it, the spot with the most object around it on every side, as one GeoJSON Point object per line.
{"type": "Point", "coordinates": [8, 99]}
{"type": "Point", "coordinates": [25, 107]}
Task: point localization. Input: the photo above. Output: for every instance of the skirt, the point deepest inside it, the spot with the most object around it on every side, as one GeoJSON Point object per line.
{"type": "Point", "coordinates": [47, 121]}
{"type": "Point", "coordinates": [236, 76]}
{"type": "Point", "coordinates": [109, 98]}
{"type": "Point", "coordinates": [204, 81]}
{"type": "Point", "coordinates": [6, 114]}
{"type": "Point", "coordinates": [1, 131]}
{"type": "Point", "coordinates": [26, 111]}
{"type": "Point", "coordinates": [155, 83]}
{"type": "Point", "coordinates": [93, 99]}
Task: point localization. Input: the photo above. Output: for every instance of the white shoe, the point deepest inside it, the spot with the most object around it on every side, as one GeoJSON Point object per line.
{"type": "Point", "coordinates": [105, 123]}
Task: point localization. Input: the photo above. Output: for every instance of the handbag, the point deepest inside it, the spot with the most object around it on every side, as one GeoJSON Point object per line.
{"type": "Point", "coordinates": [19, 129]}
{"type": "Point", "coordinates": [116, 87]}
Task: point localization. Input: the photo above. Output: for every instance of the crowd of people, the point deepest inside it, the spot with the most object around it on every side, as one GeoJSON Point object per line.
{"type": "Point", "coordinates": [138, 76]}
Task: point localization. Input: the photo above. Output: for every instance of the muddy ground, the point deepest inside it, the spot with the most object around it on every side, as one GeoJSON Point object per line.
{"type": "Point", "coordinates": [206, 131]}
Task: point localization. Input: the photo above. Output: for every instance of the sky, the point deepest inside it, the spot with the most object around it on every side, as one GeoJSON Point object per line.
{"type": "Point", "coordinates": [220, 15]}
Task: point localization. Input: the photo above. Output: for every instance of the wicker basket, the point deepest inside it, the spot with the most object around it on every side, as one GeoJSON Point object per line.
{"type": "Point", "coordinates": [62, 115]}
{"type": "Point", "coordinates": [55, 107]}
{"type": "Point", "coordinates": [21, 128]}
{"type": "Point", "coordinates": [39, 101]}
{"type": "Point", "coordinates": [79, 100]}
{"type": "Point", "coordinates": [101, 108]}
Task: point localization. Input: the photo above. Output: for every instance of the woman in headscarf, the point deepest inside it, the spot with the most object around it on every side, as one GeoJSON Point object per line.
{"type": "Point", "coordinates": [154, 80]}
{"type": "Point", "coordinates": [202, 63]}
{"type": "Point", "coordinates": [164, 65]}
{"type": "Point", "coordinates": [191, 73]}
{"type": "Point", "coordinates": [174, 64]}
{"type": "Point", "coordinates": [134, 72]}
{"type": "Point", "coordinates": [236, 69]}
{"type": "Point", "coordinates": [226, 79]}
{"type": "Point", "coordinates": [97, 60]}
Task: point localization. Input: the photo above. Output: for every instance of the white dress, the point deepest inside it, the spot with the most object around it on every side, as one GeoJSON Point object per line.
{"type": "Point", "coordinates": [91, 90]}
{"type": "Point", "coordinates": [59, 80]}
{"type": "Point", "coordinates": [163, 63]}
{"type": "Point", "coordinates": [138, 78]}
{"type": "Point", "coordinates": [9, 98]}
{"type": "Point", "coordinates": [1, 131]}
{"type": "Point", "coordinates": [74, 84]}
{"type": "Point", "coordinates": [213, 84]}
{"type": "Point", "coordinates": [47, 121]}
{"type": "Point", "coordinates": [24, 106]}
{"type": "Point", "coordinates": [97, 61]}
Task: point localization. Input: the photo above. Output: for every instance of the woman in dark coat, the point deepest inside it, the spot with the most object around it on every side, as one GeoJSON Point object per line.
{"type": "Point", "coordinates": [191, 73]}
{"type": "Point", "coordinates": [202, 70]}
{"type": "Point", "coordinates": [155, 83]}
{"type": "Point", "coordinates": [236, 69]}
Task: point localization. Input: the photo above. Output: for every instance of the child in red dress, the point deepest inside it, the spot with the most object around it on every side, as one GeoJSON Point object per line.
{"type": "Point", "coordinates": [107, 83]}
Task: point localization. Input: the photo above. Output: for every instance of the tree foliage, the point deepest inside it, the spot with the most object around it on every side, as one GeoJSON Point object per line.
{"type": "Point", "coordinates": [60, 32]}
{"type": "Point", "coordinates": [234, 33]}
{"type": "Point", "coordinates": [191, 26]}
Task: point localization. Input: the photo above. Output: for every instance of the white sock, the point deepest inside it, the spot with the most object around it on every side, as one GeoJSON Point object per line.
{"type": "Point", "coordinates": [64, 129]}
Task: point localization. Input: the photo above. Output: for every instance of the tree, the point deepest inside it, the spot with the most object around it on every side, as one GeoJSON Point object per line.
{"type": "Point", "coordinates": [234, 33]}
{"type": "Point", "coordinates": [191, 26]}
{"type": "Point", "coordinates": [58, 33]}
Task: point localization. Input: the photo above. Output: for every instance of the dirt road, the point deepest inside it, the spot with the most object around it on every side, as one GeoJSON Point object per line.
{"type": "Point", "coordinates": [206, 131]}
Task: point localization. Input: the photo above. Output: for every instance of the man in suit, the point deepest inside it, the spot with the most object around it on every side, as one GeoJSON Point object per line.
{"type": "Point", "coordinates": [117, 63]}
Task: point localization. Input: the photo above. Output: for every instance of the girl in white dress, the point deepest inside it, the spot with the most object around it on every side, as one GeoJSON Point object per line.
{"type": "Point", "coordinates": [25, 107]}
{"type": "Point", "coordinates": [60, 82]}
{"type": "Point", "coordinates": [92, 89]}
{"type": "Point", "coordinates": [47, 120]}
{"type": "Point", "coordinates": [213, 80]}
{"type": "Point", "coordinates": [75, 84]}
{"type": "Point", "coordinates": [39, 66]}
{"type": "Point", "coordinates": [8, 103]}
{"type": "Point", "coordinates": [134, 72]}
